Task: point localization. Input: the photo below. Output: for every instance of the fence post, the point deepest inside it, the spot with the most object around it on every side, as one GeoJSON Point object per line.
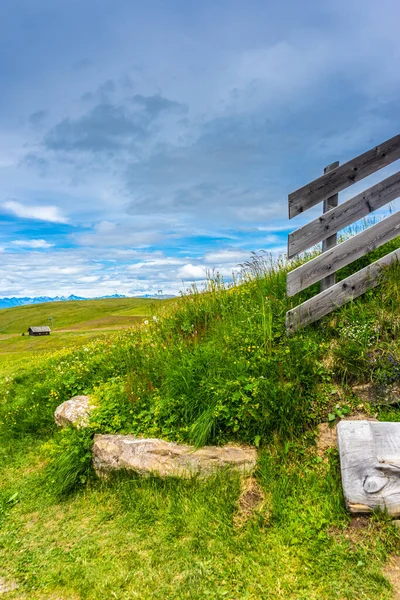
{"type": "Point", "coordinates": [331, 241]}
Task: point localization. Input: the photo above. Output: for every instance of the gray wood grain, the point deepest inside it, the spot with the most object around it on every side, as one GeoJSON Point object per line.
{"type": "Point", "coordinates": [330, 241]}
{"type": "Point", "coordinates": [370, 465]}
{"type": "Point", "coordinates": [343, 254]}
{"type": "Point", "coordinates": [344, 176]}
{"type": "Point", "coordinates": [345, 214]}
{"type": "Point", "coordinates": [350, 288]}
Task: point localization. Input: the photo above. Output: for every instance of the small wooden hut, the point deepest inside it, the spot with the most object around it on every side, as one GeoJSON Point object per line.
{"type": "Point", "coordinates": [44, 330]}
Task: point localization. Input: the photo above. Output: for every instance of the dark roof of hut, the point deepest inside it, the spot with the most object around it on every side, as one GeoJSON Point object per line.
{"type": "Point", "coordinates": [41, 329]}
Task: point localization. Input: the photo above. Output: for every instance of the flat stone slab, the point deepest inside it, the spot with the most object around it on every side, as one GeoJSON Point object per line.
{"type": "Point", "coordinates": [147, 456]}
{"type": "Point", "coordinates": [75, 412]}
{"type": "Point", "coordinates": [370, 465]}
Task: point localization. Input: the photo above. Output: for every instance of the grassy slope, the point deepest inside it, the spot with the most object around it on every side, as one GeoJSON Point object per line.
{"type": "Point", "coordinates": [73, 323]}
{"type": "Point", "coordinates": [67, 314]}
{"type": "Point", "coordinates": [214, 367]}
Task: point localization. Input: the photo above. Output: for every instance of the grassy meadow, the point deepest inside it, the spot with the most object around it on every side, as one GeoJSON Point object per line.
{"type": "Point", "coordinates": [212, 367]}
{"type": "Point", "coordinates": [73, 323]}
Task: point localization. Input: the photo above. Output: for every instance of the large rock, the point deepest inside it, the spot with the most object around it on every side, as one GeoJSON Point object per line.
{"type": "Point", "coordinates": [378, 394]}
{"type": "Point", "coordinates": [75, 412]}
{"type": "Point", "coordinates": [146, 456]}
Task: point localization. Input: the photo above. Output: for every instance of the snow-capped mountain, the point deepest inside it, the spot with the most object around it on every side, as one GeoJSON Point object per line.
{"type": "Point", "coordinates": [10, 302]}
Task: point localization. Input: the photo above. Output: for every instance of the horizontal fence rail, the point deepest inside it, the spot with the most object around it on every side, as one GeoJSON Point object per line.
{"type": "Point", "coordinates": [345, 253]}
{"type": "Point", "coordinates": [350, 288]}
{"type": "Point", "coordinates": [344, 215]}
{"type": "Point", "coordinates": [342, 177]}
{"type": "Point", "coordinates": [335, 218]}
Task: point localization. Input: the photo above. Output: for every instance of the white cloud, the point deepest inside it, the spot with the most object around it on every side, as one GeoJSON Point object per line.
{"type": "Point", "coordinates": [41, 213]}
{"type": "Point", "coordinates": [287, 92]}
{"type": "Point", "coordinates": [191, 272]}
{"type": "Point", "coordinates": [226, 256]}
{"type": "Point", "coordinates": [105, 227]}
{"type": "Point", "coordinates": [226, 272]}
{"type": "Point", "coordinates": [89, 279]}
{"type": "Point", "coordinates": [32, 244]}
{"type": "Point", "coordinates": [79, 271]}
{"type": "Point", "coordinates": [132, 233]}
{"type": "Point", "coordinates": [155, 264]}
{"type": "Point", "coordinates": [88, 273]}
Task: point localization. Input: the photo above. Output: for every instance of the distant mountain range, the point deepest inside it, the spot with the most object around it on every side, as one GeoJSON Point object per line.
{"type": "Point", "coordinates": [10, 302]}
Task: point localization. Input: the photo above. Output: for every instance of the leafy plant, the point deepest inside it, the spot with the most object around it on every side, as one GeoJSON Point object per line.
{"type": "Point", "coordinates": [339, 413]}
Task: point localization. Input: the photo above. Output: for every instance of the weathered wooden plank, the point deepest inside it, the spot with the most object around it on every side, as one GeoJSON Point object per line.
{"type": "Point", "coordinates": [330, 241]}
{"type": "Point", "coordinates": [343, 254]}
{"type": "Point", "coordinates": [345, 214]}
{"type": "Point", "coordinates": [344, 176]}
{"type": "Point", "coordinates": [350, 288]}
{"type": "Point", "coordinates": [370, 465]}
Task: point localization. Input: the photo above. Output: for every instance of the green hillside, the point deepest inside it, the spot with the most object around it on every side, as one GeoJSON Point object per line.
{"type": "Point", "coordinates": [72, 323]}
{"type": "Point", "coordinates": [212, 367]}
{"type": "Point", "coordinates": [61, 315]}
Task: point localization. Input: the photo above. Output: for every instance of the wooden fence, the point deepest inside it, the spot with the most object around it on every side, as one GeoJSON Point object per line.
{"type": "Point", "coordinates": [336, 217]}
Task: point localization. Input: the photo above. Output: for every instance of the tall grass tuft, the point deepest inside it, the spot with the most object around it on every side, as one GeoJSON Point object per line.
{"type": "Point", "coordinates": [70, 461]}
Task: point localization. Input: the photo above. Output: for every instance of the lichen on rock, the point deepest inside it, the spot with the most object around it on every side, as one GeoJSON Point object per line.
{"type": "Point", "coordinates": [154, 456]}
{"type": "Point", "coordinates": [75, 412]}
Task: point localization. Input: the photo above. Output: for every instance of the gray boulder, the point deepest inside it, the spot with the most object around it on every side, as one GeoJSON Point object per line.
{"type": "Point", "coordinates": [75, 412]}
{"type": "Point", "coordinates": [146, 456]}
{"type": "Point", "coordinates": [378, 394]}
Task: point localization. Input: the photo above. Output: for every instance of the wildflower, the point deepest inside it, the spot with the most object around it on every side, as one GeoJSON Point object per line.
{"type": "Point", "coordinates": [146, 322]}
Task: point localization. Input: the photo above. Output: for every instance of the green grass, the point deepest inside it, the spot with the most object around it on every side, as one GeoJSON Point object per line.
{"type": "Point", "coordinates": [149, 538]}
{"type": "Point", "coordinates": [67, 314]}
{"type": "Point", "coordinates": [211, 367]}
{"type": "Point", "coordinates": [56, 341]}
{"type": "Point", "coordinates": [73, 324]}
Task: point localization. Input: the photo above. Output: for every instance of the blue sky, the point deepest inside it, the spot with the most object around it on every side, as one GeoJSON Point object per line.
{"type": "Point", "coordinates": [146, 142]}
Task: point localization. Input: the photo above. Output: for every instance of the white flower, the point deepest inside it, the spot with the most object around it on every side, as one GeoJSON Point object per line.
{"type": "Point", "coordinates": [146, 322]}
{"type": "Point", "coordinates": [155, 318]}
